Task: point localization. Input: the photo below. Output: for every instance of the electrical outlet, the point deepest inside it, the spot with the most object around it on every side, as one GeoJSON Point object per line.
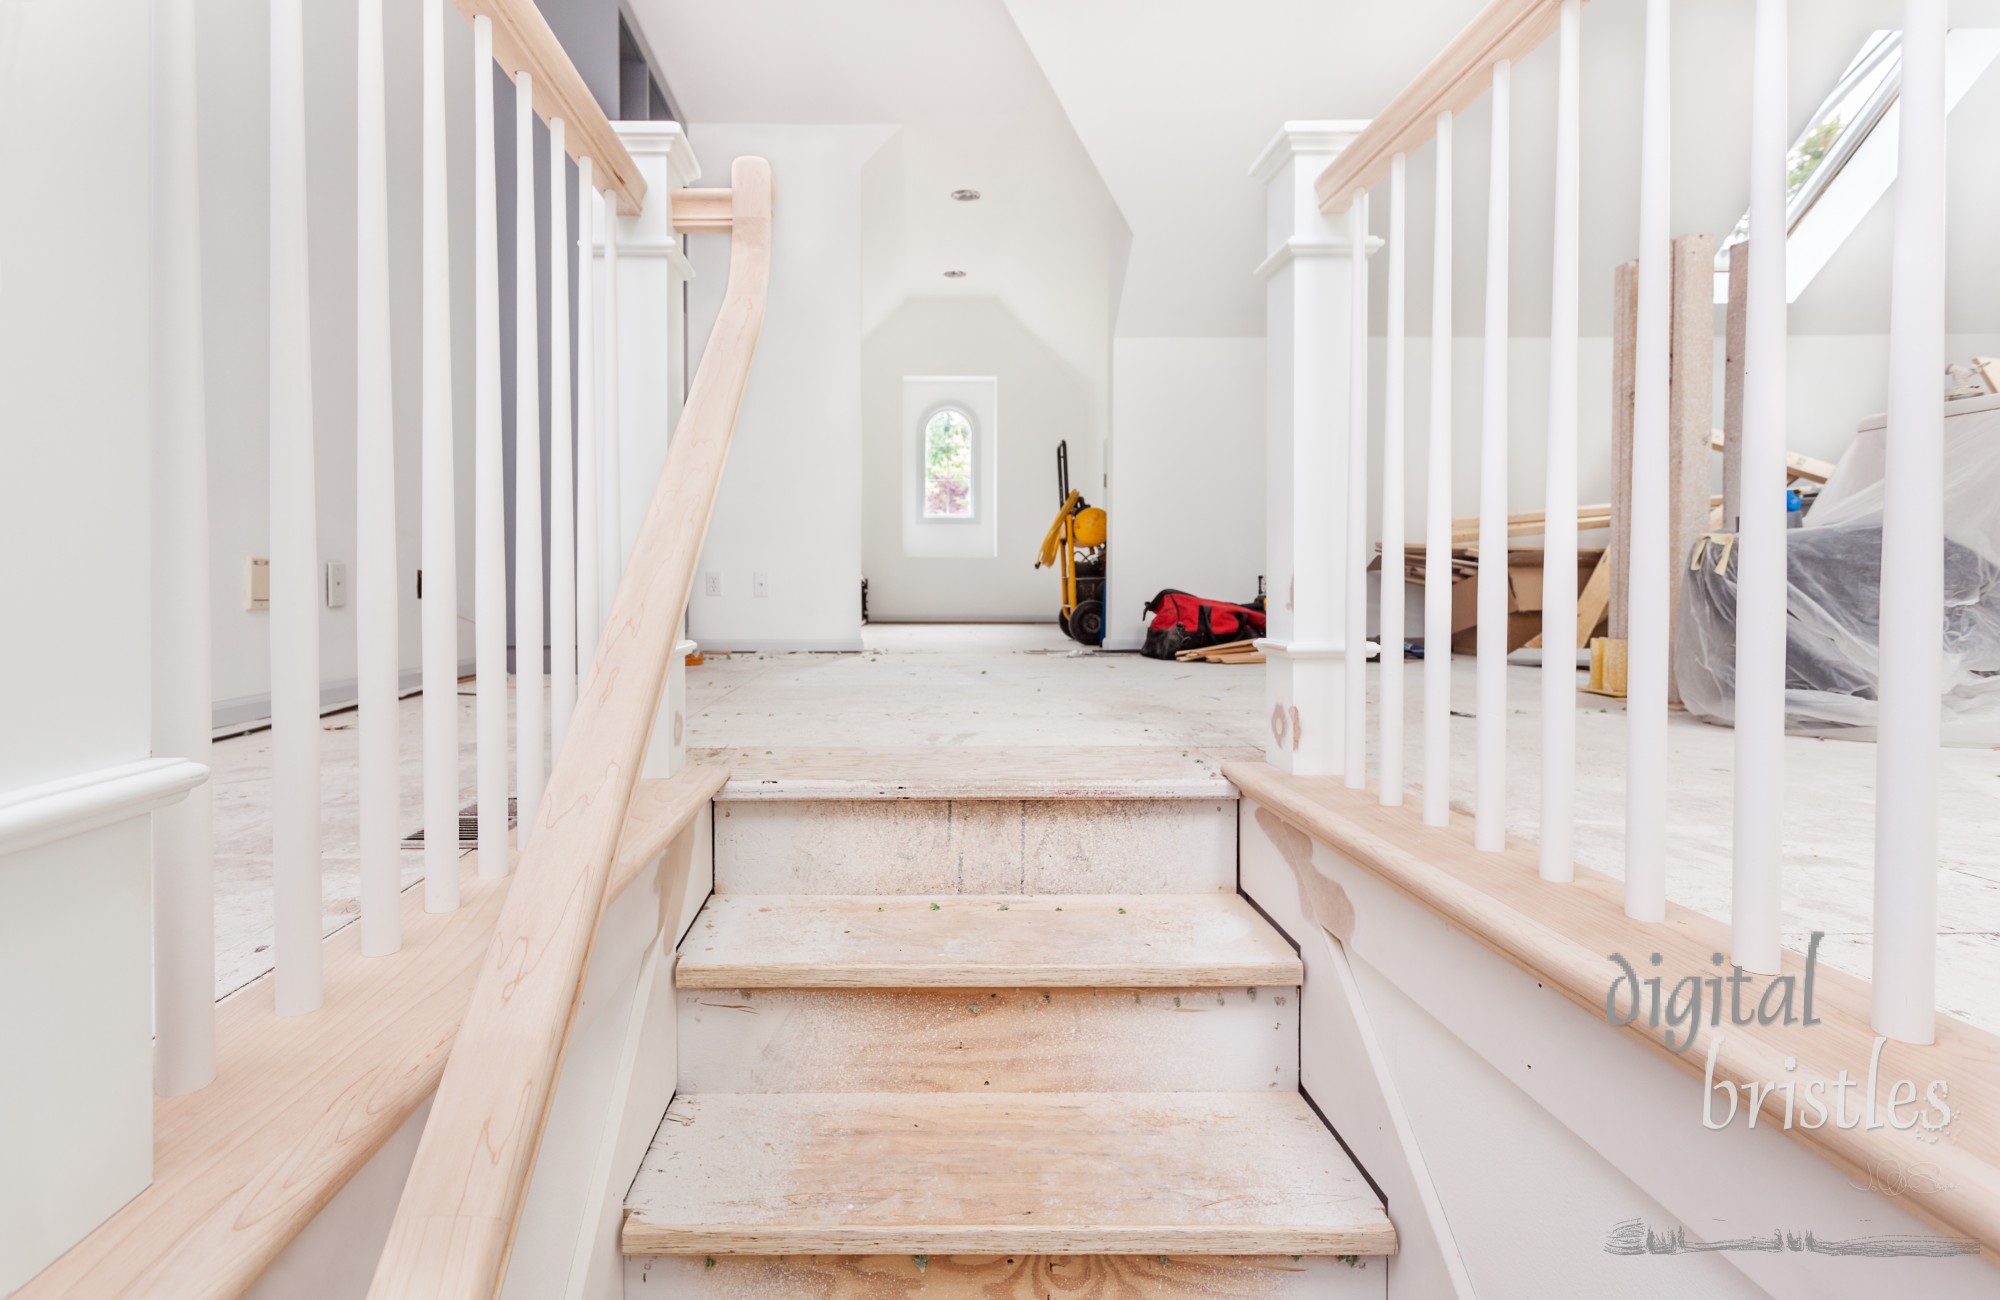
{"type": "Point", "coordinates": [760, 584]}
{"type": "Point", "coordinates": [712, 583]}
{"type": "Point", "coordinates": [336, 584]}
{"type": "Point", "coordinates": [256, 582]}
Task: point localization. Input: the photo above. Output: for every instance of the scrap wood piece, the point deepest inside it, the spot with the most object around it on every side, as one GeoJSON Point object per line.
{"type": "Point", "coordinates": [1989, 370]}
{"type": "Point", "coordinates": [1528, 523]}
{"type": "Point", "coordinates": [1210, 651]}
{"type": "Point", "coordinates": [1797, 464]}
{"type": "Point", "coordinates": [1590, 604]}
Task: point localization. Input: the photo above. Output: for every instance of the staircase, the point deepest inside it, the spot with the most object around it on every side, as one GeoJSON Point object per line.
{"type": "Point", "coordinates": [1011, 1038]}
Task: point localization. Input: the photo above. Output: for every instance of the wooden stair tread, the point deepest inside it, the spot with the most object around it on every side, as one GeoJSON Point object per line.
{"type": "Point", "coordinates": [983, 941]}
{"type": "Point", "coordinates": [1124, 1173]}
{"type": "Point", "coordinates": [1036, 772]}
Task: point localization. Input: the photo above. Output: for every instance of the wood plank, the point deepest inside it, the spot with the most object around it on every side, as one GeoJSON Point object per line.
{"type": "Point", "coordinates": [1624, 397]}
{"type": "Point", "coordinates": [1004, 1277]}
{"type": "Point", "coordinates": [454, 1225]}
{"type": "Point", "coordinates": [1561, 934]}
{"type": "Point", "coordinates": [522, 41]}
{"type": "Point", "coordinates": [300, 1103]}
{"type": "Point", "coordinates": [1460, 74]}
{"type": "Point", "coordinates": [987, 1040]}
{"type": "Point", "coordinates": [744, 941]}
{"type": "Point", "coordinates": [1591, 602]}
{"type": "Point", "coordinates": [1065, 772]}
{"type": "Point", "coordinates": [1690, 418]}
{"type": "Point", "coordinates": [1797, 464]}
{"type": "Point", "coordinates": [956, 1173]}
{"type": "Point", "coordinates": [661, 809]}
{"type": "Point", "coordinates": [1528, 523]}
{"type": "Point", "coordinates": [1729, 438]}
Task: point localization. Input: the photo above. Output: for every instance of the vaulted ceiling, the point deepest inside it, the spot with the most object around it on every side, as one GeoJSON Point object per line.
{"type": "Point", "coordinates": [1091, 123]}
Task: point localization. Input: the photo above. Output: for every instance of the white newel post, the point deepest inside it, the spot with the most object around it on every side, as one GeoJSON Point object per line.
{"type": "Point", "coordinates": [651, 383]}
{"type": "Point", "coordinates": [1309, 277]}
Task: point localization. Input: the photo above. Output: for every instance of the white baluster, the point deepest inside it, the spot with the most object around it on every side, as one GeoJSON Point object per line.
{"type": "Point", "coordinates": [1490, 791]}
{"type": "Point", "coordinates": [1906, 774]}
{"type": "Point", "coordinates": [1756, 898]}
{"type": "Point", "coordinates": [1355, 667]}
{"type": "Point", "coordinates": [1437, 514]}
{"type": "Point", "coordinates": [295, 820]}
{"type": "Point", "coordinates": [1646, 583]}
{"type": "Point", "coordinates": [589, 604]}
{"type": "Point", "coordinates": [489, 473]}
{"type": "Point", "coordinates": [1355, 663]}
{"type": "Point", "coordinates": [1390, 782]}
{"type": "Point", "coordinates": [610, 498]}
{"type": "Point", "coordinates": [530, 733]}
{"type": "Point", "coordinates": [562, 482]}
{"type": "Point", "coordinates": [1559, 616]}
{"type": "Point", "coordinates": [183, 837]}
{"type": "Point", "coordinates": [376, 659]}
{"type": "Point", "coordinates": [439, 607]}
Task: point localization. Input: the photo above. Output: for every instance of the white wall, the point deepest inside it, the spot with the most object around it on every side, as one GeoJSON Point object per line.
{"type": "Point", "coordinates": [75, 582]}
{"type": "Point", "coordinates": [790, 505]}
{"type": "Point", "coordinates": [1045, 396]}
{"type": "Point", "coordinates": [233, 36]}
{"type": "Point", "coordinates": [1187, 472]}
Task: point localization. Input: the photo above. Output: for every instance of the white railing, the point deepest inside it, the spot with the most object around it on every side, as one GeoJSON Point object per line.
{"type": "Point", "coordinates": [1480, 62]}
{"type": "Point", "coordinates": [583, 522]}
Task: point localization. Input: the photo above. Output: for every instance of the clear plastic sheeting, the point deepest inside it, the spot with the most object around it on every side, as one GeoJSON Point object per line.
{"type": "Point", "coordinates": [1834, 570]}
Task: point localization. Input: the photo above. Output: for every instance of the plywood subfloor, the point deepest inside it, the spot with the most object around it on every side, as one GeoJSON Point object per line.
{"type": "Point", "coordinates": [974, 941]}
{"type": "Point", "coordinates": [951, 1173]}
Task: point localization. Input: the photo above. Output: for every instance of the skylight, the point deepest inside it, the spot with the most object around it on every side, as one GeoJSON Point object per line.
{"type": "Point", "coordinates": [1845, 160]}
{"type": "Point", "coordinates": [1854, 108]}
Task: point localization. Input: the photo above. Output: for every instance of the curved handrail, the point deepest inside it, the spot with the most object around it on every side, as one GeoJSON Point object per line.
{"type": "Point", "coordinates": [455, 1223]}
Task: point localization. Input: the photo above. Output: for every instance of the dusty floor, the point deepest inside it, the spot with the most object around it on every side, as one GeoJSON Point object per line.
{"type": "Point", "coordinates": [990, 686]}
{"type": "Point", "coordinates": [1014, 685]}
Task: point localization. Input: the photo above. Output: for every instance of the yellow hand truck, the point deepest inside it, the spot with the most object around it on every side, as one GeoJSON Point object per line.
{"type": "Point", "coordinates": [1078, 542]}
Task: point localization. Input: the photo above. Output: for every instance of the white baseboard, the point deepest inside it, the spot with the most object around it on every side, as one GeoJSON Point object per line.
{"type": "Point", "coordinates": [244, 713]}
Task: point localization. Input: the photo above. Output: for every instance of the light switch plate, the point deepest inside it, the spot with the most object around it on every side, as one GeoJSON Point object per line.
{"type": "Point", "coordinates": [760, 584]}
{"type": "Point", "coordinates": [257, 582]}
{"type": "Point", "coordinates": [336, 584]}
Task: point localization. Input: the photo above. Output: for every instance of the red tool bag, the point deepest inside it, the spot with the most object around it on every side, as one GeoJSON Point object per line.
{"type": "Point", "coordinates": [1183, 622]}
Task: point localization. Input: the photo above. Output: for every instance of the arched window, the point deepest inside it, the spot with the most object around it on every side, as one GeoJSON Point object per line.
{"type": "Point", "coordinates": [948, 488]}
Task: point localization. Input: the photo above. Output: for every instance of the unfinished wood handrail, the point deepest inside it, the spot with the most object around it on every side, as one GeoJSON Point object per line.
{"type": "Point", "coordinates": [522, 42]}
{"type": "Point", "coordinates": [455, 1224]}
{"type": "Point", "coordinates": [1504, 29]}
{"type": "Point", "coordinates": [701, 210]}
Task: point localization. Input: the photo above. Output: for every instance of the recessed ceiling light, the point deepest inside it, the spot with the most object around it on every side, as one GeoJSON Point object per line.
{"type": "Point", "coordinates": [954, 275]}
{"type": "Point", "coordinates": [966, 196]}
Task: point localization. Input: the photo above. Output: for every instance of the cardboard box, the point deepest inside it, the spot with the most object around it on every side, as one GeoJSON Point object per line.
{"type": "Point", "coordinates": [1524, 591]}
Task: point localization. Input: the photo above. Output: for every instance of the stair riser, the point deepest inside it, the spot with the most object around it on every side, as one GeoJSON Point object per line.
{"type": "Point", "coordinates": [1002, 846]}
{"type": "Point", "coordinates": [981, 1040]}
{"type": "Point", "coordinates": [1032, 1277]}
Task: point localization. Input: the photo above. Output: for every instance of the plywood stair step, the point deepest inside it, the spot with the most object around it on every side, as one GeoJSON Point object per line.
{"type": "Point", "coordinates": [1147, 1174]}
{"type": "Point", "coordinates": [749, 941]}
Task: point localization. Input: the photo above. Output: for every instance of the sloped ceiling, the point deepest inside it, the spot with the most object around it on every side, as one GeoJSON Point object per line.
{"type": "Point", "coordinates": [1174, 98]}
{"type": "Point", "coordinates": [974, 112]}
{"type": "Point", "coordinates": [1088, 123]}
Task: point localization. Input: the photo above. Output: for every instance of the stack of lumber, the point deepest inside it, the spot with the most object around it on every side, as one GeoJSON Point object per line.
{"type": "Point", "coordinates": [1230, 652]}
